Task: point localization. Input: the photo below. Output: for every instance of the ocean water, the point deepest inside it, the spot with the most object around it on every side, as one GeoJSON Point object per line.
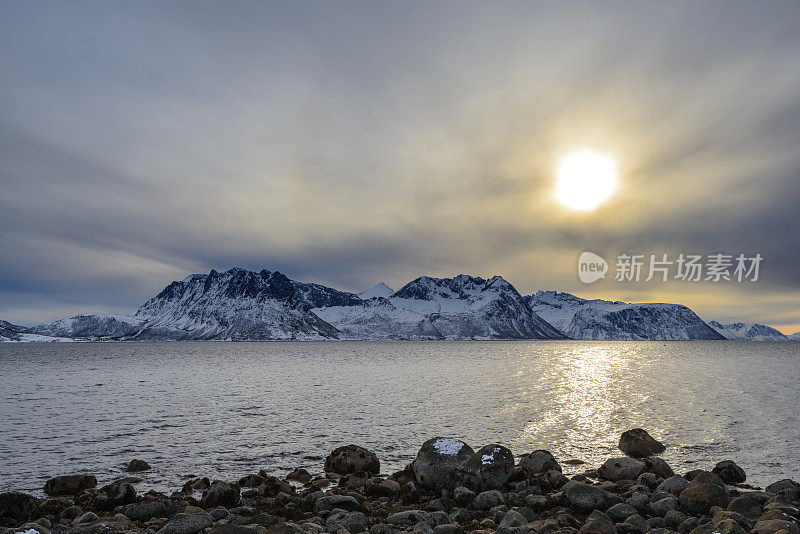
{"type": "Point", "coordinates": [224, 410]}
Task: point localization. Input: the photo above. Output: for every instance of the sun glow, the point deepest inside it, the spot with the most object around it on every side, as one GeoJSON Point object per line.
{"type": "Point", "coordinates": [585, 179]}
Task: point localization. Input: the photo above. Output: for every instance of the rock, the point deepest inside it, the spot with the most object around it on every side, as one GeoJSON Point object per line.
{"type": "Point", "coordinates": [137, 465]}
{"type": "Point", "coordinates": [697, 500]}
{"type": "Point", "coordinates": [739, 518]}
{"type": "Point", "coordinates": [511, 520]}
{"type": "Point", "coordinates": [787, 487]}
{"type": "Point", "coordinates": [195, 484]}
{"type": "Point", "coordinates": [221, 493]}
{"type": "Point", "coordinates": [621, 469]}
{"type": "Point", "coordinates": [352, 459]}
{"type": "Point", "coordinates": [729, 472]}
{"type": "Point", "coordinates": [487, 469]}
{"type": "Point", "coordinates": [775, 525]}
{"type": "Point", "coordinates": [463, 496]}
{"type": "Point", "coordinates": [586, 498]}
{"type": "Point", "coordinates": [17, 505]}
{"type": "Point", "coordinates": [230, 528]}
{"type": "Point", "coordinates": [662, 506]}
{"type": "Point", "coordinates": [674, 518]}
{"type": "Point", "coordinates": [71, 513]}
{"type": "Point", "coordinates": [110, 496]}
{"type": "Point", "coordinates": [299, 474]}
{"type": "Point", "coordinates": [408, 518]}
{"type": "Point", "coordinates": [638, 443]}
{"type": "Point", "coordinates": [620, 512]}
{"type": "Point", "coordinates": [539, 462]}
{"type": "Point", "coordinates": [88, 517]}
{"type": "Point", "coordinates": [658, 467]}
{"type": "Point", "coordinates": [640, 501]}
{"type": "Point", "coordinates": [747, 505]}
{"type": "Point", "coordinates": [674, 485]}
{"type": "Point", "coordinates": [449, 528]}
{"type": "Point", "coordinates": [187, 523]}
{"type": "Point", "coordinates": [146, 510]}
{"type": "Point", "coordinates": [649, 480]}
{"type": "Point", "coordinates": [437, 460]}
{"type": "Point", "coordinates": [381, 487]}
{"type": "Point", "coordinates": [487, 500]}
{"type": "Point", "coordinates": [352, 522]}
{"type": "Point", "coordinates": [598, 526]}
{"type": "Point", "coordinates": [343, 502]}
{"type": "Point", "coordinates": [69, 484]}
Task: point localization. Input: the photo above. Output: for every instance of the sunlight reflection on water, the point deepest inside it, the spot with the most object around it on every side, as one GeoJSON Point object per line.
{"type": "Point", "coordinates": [225, 410]}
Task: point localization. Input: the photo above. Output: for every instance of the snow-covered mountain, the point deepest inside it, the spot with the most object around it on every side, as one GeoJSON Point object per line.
{"type": "Point", "coordinates": [378, 290]}
{"type": "Point", "coordinates": [794, 337]}
{"type": "Point", "coordinates": [748, 332]}
{"type": "Point", "coordinates": [603, 319]}
{"type": "Point", "coordinates": [463, 307]}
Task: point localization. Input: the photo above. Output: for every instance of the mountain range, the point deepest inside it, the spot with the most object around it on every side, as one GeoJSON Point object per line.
{"type": "Point", "coordinates": [242, 305]}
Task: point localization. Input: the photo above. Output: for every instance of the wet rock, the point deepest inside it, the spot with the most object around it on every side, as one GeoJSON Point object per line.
{"type": "Point", "coordinates": [539, 462]}
{"type": "Point", "coordinates": [221, 493]}
{"type": "Point", "coordinates": [88, 517]}
{"type": "Point", "coordinates": [747, 505]}
{"type": "Point", "coordinates": [620, 512]}
{"type": "Point", "coordinates": [697, 500]}
{"type": "Point", "coordinates": [71, 513]}
{"type": "Point", "coordinates": [657, 466]}
{"type": "Point", "coordinates": [136, 466]}
{"type": "Point", "coordinates": [352, 459]}
{"type": "Point", "coordinates": [146, 510]}
{"type": "Point", "coordinates": [17, 505]}
{"type": "Point", "coordinates": [638, 443]}
{"type": "Point", "coordinates": [487, 469]}
{"type": "Point", "coordinates": [343, 502]}
{"type": "Point", "coordinates": [352, 522]}
{"type": "Point", "coordinates": [598, 526]}
{"type": "Point", "coordinates": [674, 485]}
{"type": "Point", "coordinates": [776, 525]}
{"type": "Point", "coordinates": [585, 498]}
{"type": "Point", "coordinates": [729, 472]}
{"type": "Point", "coordinates": [300, 474]}
{"type": "Point", "coordinates": [623, 468]}
{"type": "Point", "coordinates": [786, 487]}
{"type": "Point", "coordinates": [661, 507]}
{"type": "Point", "coordinates": [187, 523]}
{"type": "Point", "coordinates": [381, 487]}
{"type": "Point", "coordinates": [437, 461]}
{"type": "Point", "coordinates": [195, 484]}
{"type": "Point", "coordinates": [112, 495]}
{"type": "Point", "coordinates": [408, 518]}
{"type": "Point", "coordinates": [69, 484]}
{"type": "Point", "coordinates": [487, 500]}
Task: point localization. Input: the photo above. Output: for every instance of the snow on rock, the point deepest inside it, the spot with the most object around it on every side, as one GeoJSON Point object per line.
{"type": "Point", "coordinates": [448, 446]}
{"type": "Point", "coordinates": [378, 290]}
{"type": "Point", "coordinates": [748, 332]}
{"type": "Point", "coordinates": [606, 320]}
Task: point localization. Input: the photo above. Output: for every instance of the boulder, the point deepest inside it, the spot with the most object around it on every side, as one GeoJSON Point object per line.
{"type": "Point", "coordinates": [658, 467]}
{"type": "Point", "coordinates": [674, 485]}
{"type": "Point", "coordinates": [17, 505]}
{"type": "Point", "coordinates": [352, 522]}
{"type": "Point", "coordinates": [69, 484]}
{"type": "Point", "coordinates": [438, 459]}
{"type": "Point", "coordinates": [598, 526]}
{"type": "Point", "coordinates": [638, 443]}
{"type": "Point", "coordinates": [409, 518]}
{"type": "Point", "coordinates": [221, 493]}
{"type": "Point", "coordinates": [586, 498]}
{"type": "Point", "coordinates": [511, 521]}
{"type": "Point", "coordinates": [487, 469]}
{"type": "Point", "coordinates": [187, 523]}
{"type": "Point", "coordinates": [352, 459]}
{"type": "Point", "coordinates": [539, 462]}
{"type": "Point", "coordinates": [786, 487]}
{"type": "Point", "coordinates": [729, 472]}
{"type": "Point", "coordinates": [381, 487]}
{"type": "Point", "coordinates": [110, 496]}
{"type": "Point", "coordinates": [623, 468]}
{"type": "Point", "coordinates": [746, 505]}
{"type": "Point", "coordinates": [343, 502]}
{"type": "Point", "coordinates": [487, 500]}
{"type": "Point", "coordinates": [620, 512]}
{"type": "Point", "coordinates": [775, 525]}
{"type": "Point", "coordinates": [136, 466]}
{"type": "Point", "coordinates": [698, 500]}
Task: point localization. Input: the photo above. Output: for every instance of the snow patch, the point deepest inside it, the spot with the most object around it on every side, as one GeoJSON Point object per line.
{"type": "Point", "coordinates": [448, 446]}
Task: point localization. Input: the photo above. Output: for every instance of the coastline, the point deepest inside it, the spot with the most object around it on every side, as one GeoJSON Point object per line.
{"type": "Point", "coordinates": [448, 489]}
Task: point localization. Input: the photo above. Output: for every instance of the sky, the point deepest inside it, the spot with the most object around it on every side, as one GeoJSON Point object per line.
{"type": "Point", "coordinates": [348, 143]}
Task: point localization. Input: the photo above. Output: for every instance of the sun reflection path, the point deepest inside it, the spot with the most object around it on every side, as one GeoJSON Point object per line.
{"type": "Point", "coordinates": [578, 403]}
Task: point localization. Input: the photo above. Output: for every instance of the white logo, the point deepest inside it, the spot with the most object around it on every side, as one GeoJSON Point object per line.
{"type": "Point", "coordinates": [591, 267]}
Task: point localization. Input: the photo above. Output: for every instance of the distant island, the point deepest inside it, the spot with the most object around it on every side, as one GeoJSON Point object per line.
{"type": "Point", "coordinates": [242, 305]}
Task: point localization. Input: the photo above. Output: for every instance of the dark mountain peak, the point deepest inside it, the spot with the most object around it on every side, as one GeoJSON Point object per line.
{"type": "Point", "coordinates": [460, 287]}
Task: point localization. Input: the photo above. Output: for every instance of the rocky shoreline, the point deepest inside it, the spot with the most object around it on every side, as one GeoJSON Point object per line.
{"type": "Point", "coordinates": [448, 489]}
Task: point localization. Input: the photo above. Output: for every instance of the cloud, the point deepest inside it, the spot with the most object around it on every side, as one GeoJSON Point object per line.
{"type": "Point", "coordinates": [350, 143]}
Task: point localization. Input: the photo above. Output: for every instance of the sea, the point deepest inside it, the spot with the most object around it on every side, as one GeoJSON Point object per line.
{"type": "Point", "coordinates": [225, 410]}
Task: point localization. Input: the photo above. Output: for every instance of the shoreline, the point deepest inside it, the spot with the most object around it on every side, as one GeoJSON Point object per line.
{"type": "Point", "coordinates": [448, 489]}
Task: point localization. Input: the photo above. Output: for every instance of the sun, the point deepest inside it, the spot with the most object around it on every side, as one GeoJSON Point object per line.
{"type": "Point", "coordinates": [585, 180]}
